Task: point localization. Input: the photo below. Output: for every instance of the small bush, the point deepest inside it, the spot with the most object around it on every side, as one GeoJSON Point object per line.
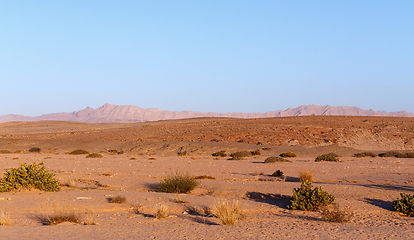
{"type": "Point", "coordinates": [29, 176]}
{"type": "Point", "coordinates": [278, 173]}
{"type": "Point", "coordinates": [34, 150]}
{"type": "Point", "coordinates": [365, 154]}
{"type": "Point", "coordinates": [226, 212]}
{"type": "Point", "coordinates": [94, 155]}
{"type": "Point", "coordinates": [275, 160]}
{"type": "Point", "coordinates": [256, 152]}
{"type": "Point", "coordinates": [178, 183]}
{"type": "Point", "coordinates": [405, 204]}
{"type": "Point", "coordinates": [335, 214]}
{"type": "Point", "coordinates": [326, 157]}
{"type": "Point", "coordinates": [306, 175]}
{"type": "Point", "coordinates": [5, 151]}
{"type": "Point", "coordinates": [79, 152]}
{"type": "Point", "coordinates": [221, 153]}
{"type": "Point", "coordinates": [117, 199]}
{"type": "Point", "coordinates": [241, 154]}
{"type": "Point", "coordinates": [307, 199]}
{"type": "Point", "coordinates": [162, 212]}
{"type": "Point", "coordinates": [288, 154]}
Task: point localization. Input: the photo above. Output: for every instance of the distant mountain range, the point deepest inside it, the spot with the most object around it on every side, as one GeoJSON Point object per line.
{"type": "Point", "coordinates": [109, 113]}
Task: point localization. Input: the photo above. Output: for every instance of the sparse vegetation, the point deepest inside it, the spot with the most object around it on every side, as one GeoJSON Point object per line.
{"type": "Point", "coordinates": [60, 215]}
{"type": "Point", "coordinates": [117, 199]}
{"type": "Point", "coordinates": [5, 152]}
{"type": "Point", "coordinates": [335, 214]}
{"type": "Point", "coordinates": [275, 159]}
{"type": "Point", "coordinates": [365, 154]}
{"type": "Point", "coordinates": [306, 175]}
{"type": "Point", "coordinates": [79, 152]}
{"type": "Point", "coordinates": [204, 177]}
{"type": "Point", "coordinates": [240, 155]}
{"type": "Point", "coordinates": [266, 148]}
{"type": "Point", "coordinates": [277, 173]}
{"type": "Point", "coordinates": [256, 152]}
{"type": "Point", "coordinates": [178, 183]}
{"type": "Point", "coordinates": [307, 199]}
{"type": "Point", "coordinates": [288, 154]}
{"type": "Point", "coordinates": [29, 176]}
{"type": "Point", "coordinates": [397, 154]}
{"type": "Point", "coordinates": [226, 212]}
{"type": "Point", "coordinates": [327, 158]}
{"type": "Point", "coordinates": [94, 155]}
{"type": "Point", "coordinates": [221, 153]}
{"type": "Point", "coordinates": [404, 205]}
{"type": "Point", "coordinates": [5, 219]}
{"type": "Point", "coordinates": [34, 150]}
{"type": "Point", "coordinates": [162, 212]}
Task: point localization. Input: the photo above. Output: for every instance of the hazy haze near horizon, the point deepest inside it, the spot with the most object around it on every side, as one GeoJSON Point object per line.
{"type": "Point", "coordinates": [212, 56]}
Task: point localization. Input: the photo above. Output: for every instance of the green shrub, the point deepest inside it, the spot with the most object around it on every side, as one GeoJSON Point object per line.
{"type": "Point", "coordinates": [278, 173]}
{"type": "Point", "coordinates": [326, 157]}
{"type": "Point", "coordinates": [405, 204]}
{"type": "Point", "coordinates": [275, 159]}
{"type": "Point", "coordinates": [365, 154]}
{"type": "Point", "coordinates": [94, 155]}
{"type": "Point", "coordinates": [178, 183]}
{"type": "Point", "coordinates": [288, 154]}
{"type": "Point", "coordinates": [79, 152]}
{"type": "Point", "coordinates": [256, 152]}
{"type": "Point", "coordinates": [306, 199]}
{"type": "Point", "coordinates": [34, 150]}
{"type": "Point", "coordinates": [221, 153]}
{"type": "Point", "coordinates": [29, 176]}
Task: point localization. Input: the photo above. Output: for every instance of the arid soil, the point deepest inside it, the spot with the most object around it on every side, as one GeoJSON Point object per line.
{"type": "Point", "coordinates": [153, 150]}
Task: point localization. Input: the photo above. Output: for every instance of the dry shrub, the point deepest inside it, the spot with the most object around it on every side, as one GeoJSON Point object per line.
{"type": "Point", "coordinates": [334, 213]}
{"type": "Point", "coordinates": [326, 158]}
{"type": "Point", "coordinates": [277, 173]}
{"type": "Point", "coordinates": [59, 215]}
{"type": "Point", "coordinates": [221, 153]}
{"type": "Point", "coordinates": [241, 154]}
{"type": "Point", "coordinates": [266, 148]}
{"type": "Point", "coordinates": [204, 177]}
{"type": "Point", "coordinates": [306, 175]}
{"type": "Point", "coordinates": [288, 154]}
{"type": "Point", "coordinates": [5, 219]}
{"type": "Point", "coordinates": [275, 160]}
{"type": "Point", "coordinates": [94, 155]}
{"type": "Point", "coordinates": [117, 199]}
{"type": "Point", "coordinates": [226, 212]}
{"type": "Point", "coordinates": [5, 151]}
{"type": "Point", "coordinates": [178, 183]}
{"type": "Point", "coordinates": [162, 212]}
{"type": "Point", "coordinates": [365, 154]}
{"type": "Point", "coordinates": [256, 152]}
{"type": "Point", "coordinates": [397, 154]}
{"type": "Point", "coordinates": [34, 150]}
{"type": "Point", "coordinates": [79, 152]}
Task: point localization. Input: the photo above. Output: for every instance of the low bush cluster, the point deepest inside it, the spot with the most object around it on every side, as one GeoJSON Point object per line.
{"type": "Point", "coordinates": [405, 204]}
{"type": "Point", "coordinates": [29, 176]}
{"type": "Point", "coordinates": [397, 154]}
{"type": "Point", "coordinates": [221, 153]}
{"type": "Point", "coordinates": [288, 154]}
{"type": "Point", "coordinates": [365, 154]}
{"type": "Point", "coordinates": [307, 199]}
{"type": "Point", "coordinates": [275, 159]}
{"type": "Point", "coordinates": [79, 152]}
{"type": "Point", "coordinates": [326, 157]}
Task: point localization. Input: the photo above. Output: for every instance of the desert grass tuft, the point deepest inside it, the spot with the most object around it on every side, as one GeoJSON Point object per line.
{"type": "Point", "coordinates": [117, 199]}
{"type": "Point", "coordinates": [226, 212]}
{"type": "Point", "coordinates": [334, 213]}
{"type": "Point", "coordinates": [5, 219]}
{"type": "Point", "coordinates": [94, 155]}
{"type": "Point", "coordinates": [162, 212]}
{"type": "Point", "coordinates": [178, 183]}
{"type": "Point", "coordinates": [60, 215]}
{"type": "Point", "coordinates": [306, 175]}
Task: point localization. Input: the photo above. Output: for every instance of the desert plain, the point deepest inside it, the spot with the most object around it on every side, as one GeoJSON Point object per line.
{"type": "Point", "coordinates": [137, 156]}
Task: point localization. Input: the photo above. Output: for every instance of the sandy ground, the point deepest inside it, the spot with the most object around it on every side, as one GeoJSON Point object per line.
{"type": "Point", "coordinates": [367, 185]}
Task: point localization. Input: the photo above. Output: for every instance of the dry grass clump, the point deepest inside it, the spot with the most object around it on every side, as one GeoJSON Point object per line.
{"type": "Point", "coordinates": [178, 183]}
{"type": "Point", "coordinates": [162, 212]}
{"type": "Point", "coordinates": [34, 150]}
{"type": "Point", "coordinates": [226, 212]}
{"type": "Point", "coordinates": [275, 159]}
{"type": "Point", "coordinates": [306, 175]}
{"type": "Point", "coordinates": [60, 215]}
{"type": "Point", "coordinates": [221, 153]}
{"type": "Point", "coordinates": [256, 152]}
{"type": "Point", "coordinates": [5, 151]}
{"type": "Point", "coordinates": [5, 219]}
{"type": "Point", "coordinates": [334, 213]}
{"type": "Point", "coordinates": [288, 154]}
{"type": "Point", "coordinates": [204, 177]}
{"type": "Point", "coordinates": [118, 199]}
{"type": "Point", "coordinates": [79, 152]}
{"type": "Point", "coordinates": [365, 154]}
{"type": "Point", "coordinates": [94, 155]}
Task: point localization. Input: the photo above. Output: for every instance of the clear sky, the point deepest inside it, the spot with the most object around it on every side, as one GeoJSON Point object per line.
{"type": "Point", "coordinates": [209, 56]}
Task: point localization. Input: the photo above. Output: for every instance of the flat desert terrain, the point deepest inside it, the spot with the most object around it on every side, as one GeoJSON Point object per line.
{"type": "Point", "coordinates": [137, 156]}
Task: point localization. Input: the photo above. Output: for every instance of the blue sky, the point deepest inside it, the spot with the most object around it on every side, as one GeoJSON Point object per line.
{"type": "Point", "coordinates": [209, 56]}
